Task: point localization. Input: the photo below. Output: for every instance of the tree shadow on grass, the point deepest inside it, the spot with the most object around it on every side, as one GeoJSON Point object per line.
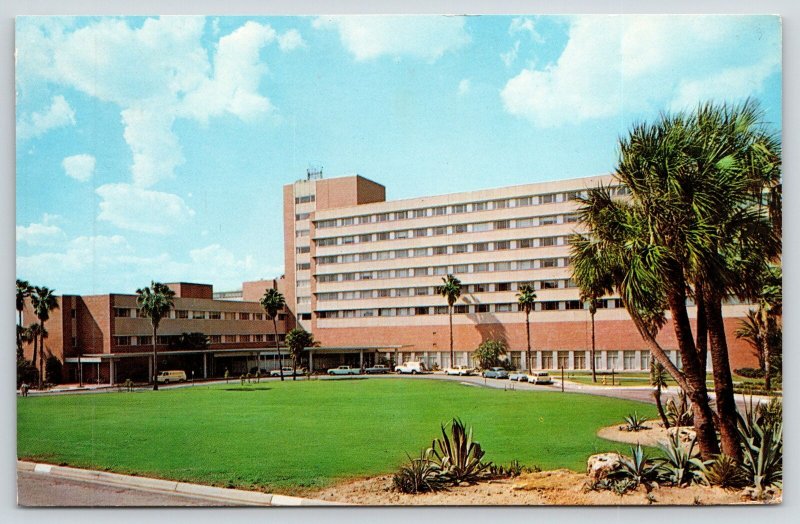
{"type": "Point", "coordinates": [246, 389]}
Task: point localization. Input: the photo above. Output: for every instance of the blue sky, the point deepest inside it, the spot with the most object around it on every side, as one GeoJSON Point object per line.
{"type": "Point", "coordinates": [156, 149]}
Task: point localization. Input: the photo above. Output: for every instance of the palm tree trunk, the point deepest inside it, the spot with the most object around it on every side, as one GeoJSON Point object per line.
{"type": "Point", "coordinates": [294, 367]}
{"type": "Point", "coordinates": [767, 366]}
{"type": "Point", "coordinates": [452, 353]}
{"type": "Point", "coordinates": [723, 382]}
{"type": "Point", "coordinates": [659, 407]}
{"type": "Point", "coordinates": [702, 327]}
{"type": "Point", "coordinates": [278, 345]}
{"type": "Point", "coordinates": [20, 353]}
{"type": "Point", "coordinates": [695, 375]}
{"type": "Point", "coordinates": [594, 371]}
{"type": "Point", "coordinates": [41, 357]}
{"type": "Point", "coordinates": [155, 359]}
{"type": "Point", "coordinates": [35, 350]}
{"type": "Point", "coordinates": [528, 332]}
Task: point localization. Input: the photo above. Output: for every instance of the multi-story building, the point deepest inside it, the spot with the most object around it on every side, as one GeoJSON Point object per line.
{"type": "Point", "coordinates": [365, 272]}
{"type": "Point", "coordinates": [104, 339]}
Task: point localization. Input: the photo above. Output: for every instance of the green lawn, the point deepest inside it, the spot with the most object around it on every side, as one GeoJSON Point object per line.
{"type": "Point", "coordinates": [294, 436]}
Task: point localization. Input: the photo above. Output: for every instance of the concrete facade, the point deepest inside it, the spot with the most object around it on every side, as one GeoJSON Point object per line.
{"type": "Point", "coordinates": [364, 271]}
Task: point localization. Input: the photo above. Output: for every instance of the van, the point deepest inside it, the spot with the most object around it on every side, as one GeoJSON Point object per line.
{"type": "Point", "coordinates": [166, 377]}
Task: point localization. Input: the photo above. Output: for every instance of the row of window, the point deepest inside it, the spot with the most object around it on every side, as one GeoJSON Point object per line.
{"type": "Point", "coordinates": [305, 199]}
{"type": "Point", "coordinates": [455, 249]}
{"type": "Point", "coordinates": [463, 309]}
{"type": "Point", "coordinates": [469, 207]}
{"type": "Point", "coordinates": [123, 312]}
{"type": "Point", "coordinates": [494, 287]}
{"type": "Point", "coordinates": [147, 340]}
{"type": "Point", "coordinates": [455, 229]}
{"type": "Point", "coordinates": [487, 267]}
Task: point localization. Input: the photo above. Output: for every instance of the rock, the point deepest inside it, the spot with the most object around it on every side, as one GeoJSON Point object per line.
{"type": "Point", "coordinates": [684, 433]}
{"type": "Point", "coordinates": [601, 465]}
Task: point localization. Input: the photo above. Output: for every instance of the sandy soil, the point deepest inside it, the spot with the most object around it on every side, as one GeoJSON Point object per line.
{"type": "Point", "coordinates": [559, 487]}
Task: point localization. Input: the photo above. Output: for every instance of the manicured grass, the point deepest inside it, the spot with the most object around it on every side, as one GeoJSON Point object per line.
{"type": "Point", "coordinates": [294, 436]}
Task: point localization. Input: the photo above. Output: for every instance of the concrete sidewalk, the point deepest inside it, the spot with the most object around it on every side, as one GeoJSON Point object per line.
{"type": "Point", "coordinates": [234, 497]}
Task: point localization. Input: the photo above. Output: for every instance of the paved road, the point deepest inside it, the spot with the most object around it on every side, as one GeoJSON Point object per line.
{"type": "Point", "coordinates": [36, 489]}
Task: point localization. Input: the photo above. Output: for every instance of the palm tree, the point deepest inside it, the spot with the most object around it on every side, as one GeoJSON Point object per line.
{"type": "Point", "coordinates": [296, 340]}
{"type": "Point", "coordinates": [526, 298]}
{"type": "Point", "coordinates": [43, 301]}
{"type": "Point", "coordinates": [273, 302]}
{"type": "Point", "coordinates": [658, 379]}
{"type": "Point", "coordinates": [155, 302]}
{"type": "Point", "coordinates": [450, 290]}
{"type": "Point", "coordinates": [24, 290]}
{"type": "Point", "coordinates": [592, 299]}
{"type": "Point", "coordinates": [751, 330]}
{"type": "Point", "coordinates": [35, 332]}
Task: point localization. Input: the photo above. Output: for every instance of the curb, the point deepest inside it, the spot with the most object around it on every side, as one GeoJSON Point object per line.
{"type": "Point", "coordinates": [234, 496]}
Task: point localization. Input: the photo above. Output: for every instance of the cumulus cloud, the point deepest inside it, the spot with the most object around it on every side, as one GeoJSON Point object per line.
{"type": "Point", "coordinates": [425, 37]}
{"type": "Point", "coordinates": [130, 207]}
{"type": "Point", "coordinates": [79, 167]}
{"type": "Point", "coordinates": [464, 86]}
{"type": "Point", "coordinates": [42, 233]}
{"type": "Point", "coordinates": [613, 64]}
{"type": "Point", "coordinates": [156, 72]}
{"type": "Point", "coordinates": [524, 25]}
{"type": "Point", "coordinates": [509, 57]}
{"type": "Point", "coordinates": [58, 114]}
{"type": "Point", "coordinates": [291, 40]}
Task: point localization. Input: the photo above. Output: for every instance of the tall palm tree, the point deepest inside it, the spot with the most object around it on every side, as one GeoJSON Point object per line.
{"type": "Point", "coordinates": [296, 340]}
{"type": "Point", "coordinates": [155, 302]}
{"type": "Point", "coordinates": [450, 290]}
{"type": "Point", "coordinates": [526, 298]}
{"type": "Point", "coordinates": [751, 330]}
{"type": "Point", "coordinates": [43, 301]}
{"type": "Point", "coordinates": [24, 290]}
{"type": "Point", "coordinates": [35, 332]}
{"type": "Point", "coordinates": [658, 379]}
{"type": "Point", "coordinates": [273, 302]}
{"type": "Point", "coordinates": [591, 298]}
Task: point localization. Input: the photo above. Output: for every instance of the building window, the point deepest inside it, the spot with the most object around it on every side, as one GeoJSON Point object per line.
{"type": "Point", "coordinates": [258, 338]}
{"type": "Point", "coordinates": [122, 341]}
{"type": "Point", "coordinates": [524, 222]}
{"type": "Point", "coordinates": [440, 230]}
{"type": "Point", "coordinates": [303, 266]}
{"type": "Point", "coordinates": [481, 246]}
{"type": "Point", "coordinates": [524, 243]}
{"type": "Point", "coordinates": [579, 360]}
{"type": "Point", "coordinates": [420, 291]}
{"type": "Point", "coordinates": [229, 339]}
{"type": "Point", "coordinates": [481, 227]}
{"type": "Point", "coordinates": [122, 312]}
{"type": "Point", "coordinates": [548, 220]}
{"type": "Point", "coordinates": [524, 201]}
{"type": "Point", "coordinates": [420, 213]}
{"type": "Point", "coordinates": [146, 340]}
{"type": "Point", "coordinates": [304, 199]}
{"type": "Point", "coordinates": [323, 242]}
{"type": "Point", "coordinates": [461, 268]}
{"type": "Point", "coordinates": [460, 309]}
{"type": "Point", "coordinates": [574, 304]}
{"type": "Point", "coordinates": [460, 208]}
{"type": "Point", "coordinates": [547, 199]}
{"type": "Point", "coordinates": [551, 305]}
{"type": "Point", "coordinates": [503, 308]}
{"type": "Point", "coordinates": [480, 206]}
{"type": "Point", "coordinates": [303, 249]}
{"type": "Point", "coordinates": [181, 313]}
{"type": "Point", "coordinates": [244, 338]}
{"type": "Point", "coordinates": [502, 266]}
{"type": "Point", "coordinates": [244, 316]}
{"type": "Point", "coordinates": [503, 286]}
{"type": "Point", "coordinates": [549, 284]}
{"type": "Point", "coordinates": [301, 233]}
{"type": "Point", "coordinates": [629, 360]}
{"type": "Point", "coordinates": [481, 268]}
{"type": "Point", "coordinates": [563, 360]}
{"type": "Point", "coordinates": [199, 315]}
{"type": "Point", "coordinates": [401, 253]}
{"type": "Point", "coordinates": [229, 315]}
{"type": "Point", "coordinates": [402, 292]}
{"type": "Point", "coordinates": [439, 211]}
{"type": "Point", "coordinates": [440, 270]}
{"type": "Point", "coordinates": [500, 204]}
{"type": "Point", "coordinates": [547, 360]}
{"type": "Point", "coordinates": [420, 310]}
{"type": "Point", "coordinates": [302, 216]}
{"type": "Point", "coordinates": [460, 248]}
{"type": "Point", "coordinates": [570, 218]}
{"type": "Point", "coordinates": [549, 262]}
{"type": "Point", "coordinates": [382, 217]}
{"type": "Point", "coordinates": [440, 310]}
{"type": "Point", "coordinates": [460, 228]}
{"type": "Point", "coordinates": [481, 308]}
{"type": "Point", "coordinates": [383, 236]}
{"type": "Point", "coordinates": [504, 244]}
{"type": "Point", "coordinates": [547, 241]}
{"type": "Point", "coordinates": [401, 273]}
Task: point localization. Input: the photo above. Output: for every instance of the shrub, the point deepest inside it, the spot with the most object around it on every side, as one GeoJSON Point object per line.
{"type": "Point", "coordinates": [638, 469]}
{"type": "Point", "coordinates": [634, 422]}
{"type": "Point", "coordinates": [761, 434]}
{"type": "Point", "coordinates": [419, 475]}
{"type": "Point", "coordinates": [457, 455]}
{"type": "Point", "coordinates": [514, 469]}
{"type": "Point", "coordinates": [680, 413]}
{"type": "Point", "coordinates": [750, 372]}
{"type": "Point", "coordinates": [725, 472]}
{"type": "Point", "coordinates": [679, 466]}
{"type": "Point", "coordinates": [52, 370]}
{"type": "Point", "coordinates": [489, 352]}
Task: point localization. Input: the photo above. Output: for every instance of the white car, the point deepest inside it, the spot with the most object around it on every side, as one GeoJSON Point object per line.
{"type": "Point", "coordinates": [411, 368]}
{"type": "Point", "coordinates": [287, 372]}
{"type": "Point", "coordinates": [519, 376]}
{"type": "Point", "coordinates": [459, 370]}
{"type": "Point", "coordinates": [539, 377]}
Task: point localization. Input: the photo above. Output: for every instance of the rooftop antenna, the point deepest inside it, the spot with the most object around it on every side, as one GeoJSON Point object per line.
{"type": "Point", "coordinates": [314, 172]}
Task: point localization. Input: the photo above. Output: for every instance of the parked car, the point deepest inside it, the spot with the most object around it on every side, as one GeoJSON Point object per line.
{"type": "Point", "coordinates": [165, 377]}
{"type": "Point", "coordinates": [459, 370]}
{"type": "Point", "coordinates": [411, 367]}
{"type": "Point", "coordinates": [287, 372]}
{"type": "Point", "coordinates": [519, 376]}
{"type": "Point", "coordinates": [344, 370]}
{"type": "Point", "coordinates": [539, 377]}
{"type": "Point", "coordinates": [495, 372]}
{"type": "Point", "coordinates": [377, 369]}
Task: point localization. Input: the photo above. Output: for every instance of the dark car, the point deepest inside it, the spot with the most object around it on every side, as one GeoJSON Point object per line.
{"type": "Point", "coordinates": [377, 369]}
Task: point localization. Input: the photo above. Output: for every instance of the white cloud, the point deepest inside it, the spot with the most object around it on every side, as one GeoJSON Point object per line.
{"type": "Point", "coordinates": [136, 209]}
{"type": "Point", "coordinates": [156, 72]}
{"type": "Point", "coordinates": [59, 114]}
{"type": "Point", "coordinates": [79, 167]}
{"type": "Point", "coordinates": [613, 64]}
{"type": "Point", "coordinates": [425, 37]}
{"type": "Point", "coordinates": [237, 73]}
{"type": "Point", "coordinates": [524, 25]}
{"type": "Point", "coordinates": [40, 234]}
{"type": "Point", "coordinates": [291, 40]}
{"type": "Point", "coordinates": [510, 57]}
{"type": "Point", "coordinates": [464, 87]}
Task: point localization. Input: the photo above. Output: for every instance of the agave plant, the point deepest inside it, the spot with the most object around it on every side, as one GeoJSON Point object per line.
{"type": "Point", "coordinates": [419, 475]}
{"type": "Point", "coordinates": [680, 413]}
{"type": "Point", "coordinates": [762, 449]}
{"type": "Point", "coordinates": [680, 466]}
{"type": "Point", "coordinates": [635, 422]}
{"type": "Point", "coordinates": [639, 469]}
{"type": "Point", "coordinates": [725, 472]}
{"type": "Point", "coordinates": [457, 455]}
